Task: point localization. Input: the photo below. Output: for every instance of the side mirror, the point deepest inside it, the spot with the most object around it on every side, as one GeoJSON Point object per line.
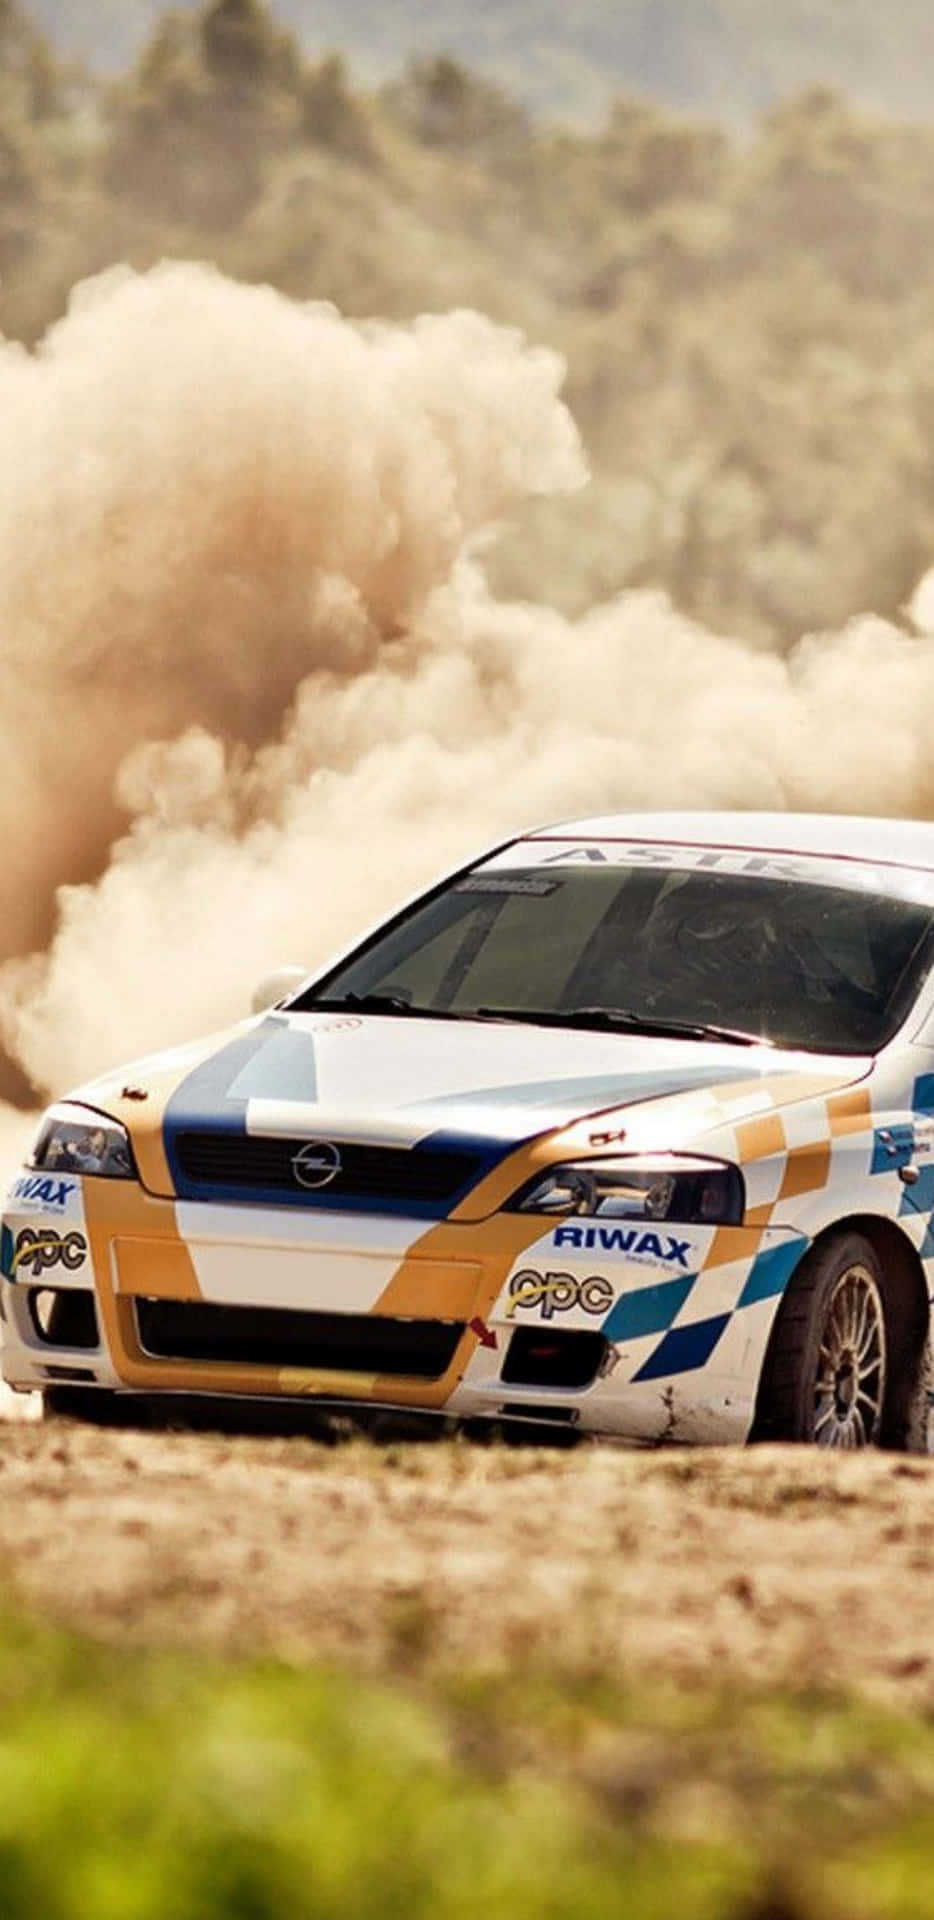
{"type": "Point", "coordinates": [276, 986]}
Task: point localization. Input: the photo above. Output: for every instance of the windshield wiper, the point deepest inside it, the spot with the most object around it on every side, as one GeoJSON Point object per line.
{"type": "Point", "coordinates": [598, 1019]}
{"type": "Point", "coordinates": [626, 1021]}
{"type": "Point", "coordinates": [376, 1003]}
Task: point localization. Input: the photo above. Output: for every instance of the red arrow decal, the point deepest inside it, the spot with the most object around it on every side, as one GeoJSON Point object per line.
{"type": "Point", "coordinates": [485, 1335]}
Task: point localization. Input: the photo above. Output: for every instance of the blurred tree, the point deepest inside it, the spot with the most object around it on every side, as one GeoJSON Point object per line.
{"type": "Point", "coordinates": [653, 158]}
{"type": "Point", "coordinates": [332, 116]}
{"type": "Point", "coordinates": [747, 322]}
{"type": "Point", "coordinates": [444, 104]}
{"type": "Point", "coordinates": [18, 195]}
{"type": "Point", "coordinates": [31, 95]}
{"type": "Point", "coordinates": [850, 190]}
{"type": "Point", "coordinates": [212, 97]}
{"type": "Point", "coordinates": [244, 52]}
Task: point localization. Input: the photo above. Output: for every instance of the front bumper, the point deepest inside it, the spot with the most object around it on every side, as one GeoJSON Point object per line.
{"type": "Point", "coordinates": [643, 1336]}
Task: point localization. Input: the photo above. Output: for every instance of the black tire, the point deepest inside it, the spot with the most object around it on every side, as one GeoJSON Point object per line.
{"type": "Point", "coordinates": [842, 1363]}
{"type": "Point", "coordinates": [71, 1323]}
{"type": "Point", "coordinates": [96, 1406]}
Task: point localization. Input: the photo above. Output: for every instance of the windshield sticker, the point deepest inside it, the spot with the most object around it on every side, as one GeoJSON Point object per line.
{"type": "Point", "coordinates": [506, 883]}
{"type": "Point", "coordinates": [906, 883]}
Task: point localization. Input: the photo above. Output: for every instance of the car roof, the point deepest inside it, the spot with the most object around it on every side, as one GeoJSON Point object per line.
{"type": "Point", "coordinates": [908, 843]}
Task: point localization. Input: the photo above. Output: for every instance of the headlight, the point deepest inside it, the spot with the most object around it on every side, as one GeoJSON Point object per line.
{"type": "Point", "coordinates": [77, 1140]}
{"type": "Point", "coordinates": [665, 1187]}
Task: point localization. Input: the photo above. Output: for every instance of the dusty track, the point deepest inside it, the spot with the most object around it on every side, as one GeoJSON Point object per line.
{"type": "Point", "coordinates": [774, 1563]}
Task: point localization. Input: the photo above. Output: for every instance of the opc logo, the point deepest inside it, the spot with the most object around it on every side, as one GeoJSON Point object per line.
{"type": "Point", "coordinates": [35, 1251]}
{"type": "Point", "coordinates": [549, 1293]}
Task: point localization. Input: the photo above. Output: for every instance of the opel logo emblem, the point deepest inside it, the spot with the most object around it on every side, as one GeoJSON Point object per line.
{"type": "Point", "coordinates": [316, 1164]}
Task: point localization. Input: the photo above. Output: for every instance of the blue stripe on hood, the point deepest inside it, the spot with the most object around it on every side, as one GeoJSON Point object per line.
{"type": "Point", "coordinates": [575, 1097]}
{"type": "Point", "coordinates": [277, 1061]}
{"type": "Point", "coordinates": [271, 1060]}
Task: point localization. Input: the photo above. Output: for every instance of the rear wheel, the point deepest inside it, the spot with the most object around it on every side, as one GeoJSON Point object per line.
{"type": "Point", "coordinates": [839, 1371]}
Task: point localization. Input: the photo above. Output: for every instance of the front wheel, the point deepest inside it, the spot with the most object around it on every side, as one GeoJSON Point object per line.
{"type": "Point", "coordinates": [96, 1406]}
{"type": "Point", "coordinates": [830, 1375]}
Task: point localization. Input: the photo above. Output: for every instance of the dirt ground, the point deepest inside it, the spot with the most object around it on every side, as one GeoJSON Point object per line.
{"type": "Point", "coordinates": [774, 1563]}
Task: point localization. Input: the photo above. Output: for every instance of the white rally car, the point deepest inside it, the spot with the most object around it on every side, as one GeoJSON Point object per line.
{"type": "Point", "coordinates": [626, 1128]}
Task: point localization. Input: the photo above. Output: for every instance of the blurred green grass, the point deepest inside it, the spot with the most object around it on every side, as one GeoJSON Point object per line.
{"type": "Point", "coordinates": [162, 1786]}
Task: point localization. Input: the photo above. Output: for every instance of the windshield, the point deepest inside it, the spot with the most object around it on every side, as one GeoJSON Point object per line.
{"type": "Point", "coordinates": [797, 963]}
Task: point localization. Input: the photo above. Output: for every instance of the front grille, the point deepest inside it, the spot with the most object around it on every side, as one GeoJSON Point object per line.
{"type": "Point", "coordinates": [237, 1161]}
{"type": "Point", "coordinates": [279, 1337]}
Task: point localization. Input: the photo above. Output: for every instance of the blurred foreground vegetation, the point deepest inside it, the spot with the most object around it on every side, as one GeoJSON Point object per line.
{"type": "Point", "coordinates": [747, 320]}
{"type": "Point", "coordinates": [141, 1785]}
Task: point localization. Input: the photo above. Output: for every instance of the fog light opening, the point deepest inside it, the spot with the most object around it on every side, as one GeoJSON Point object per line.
{"type": "Point", "coordinates": [64, 1317]}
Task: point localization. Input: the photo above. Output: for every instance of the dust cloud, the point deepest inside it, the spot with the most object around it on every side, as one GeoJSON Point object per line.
{"type": "Point", "coordinates": [258, 688]}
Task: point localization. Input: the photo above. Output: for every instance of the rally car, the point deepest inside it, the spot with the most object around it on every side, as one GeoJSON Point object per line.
{"type": "Point", "coordinates": [626, 1129]}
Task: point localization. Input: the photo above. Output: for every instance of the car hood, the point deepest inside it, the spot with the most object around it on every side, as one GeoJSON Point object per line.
{"type": "Point", "coordinates": [408, 1082]}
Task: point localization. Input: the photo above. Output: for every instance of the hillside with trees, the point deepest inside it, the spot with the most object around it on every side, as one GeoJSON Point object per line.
{"type": "Point", "coordinates": [747, 320]}
{"type": "Point", "coordinates": [730, 58]}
